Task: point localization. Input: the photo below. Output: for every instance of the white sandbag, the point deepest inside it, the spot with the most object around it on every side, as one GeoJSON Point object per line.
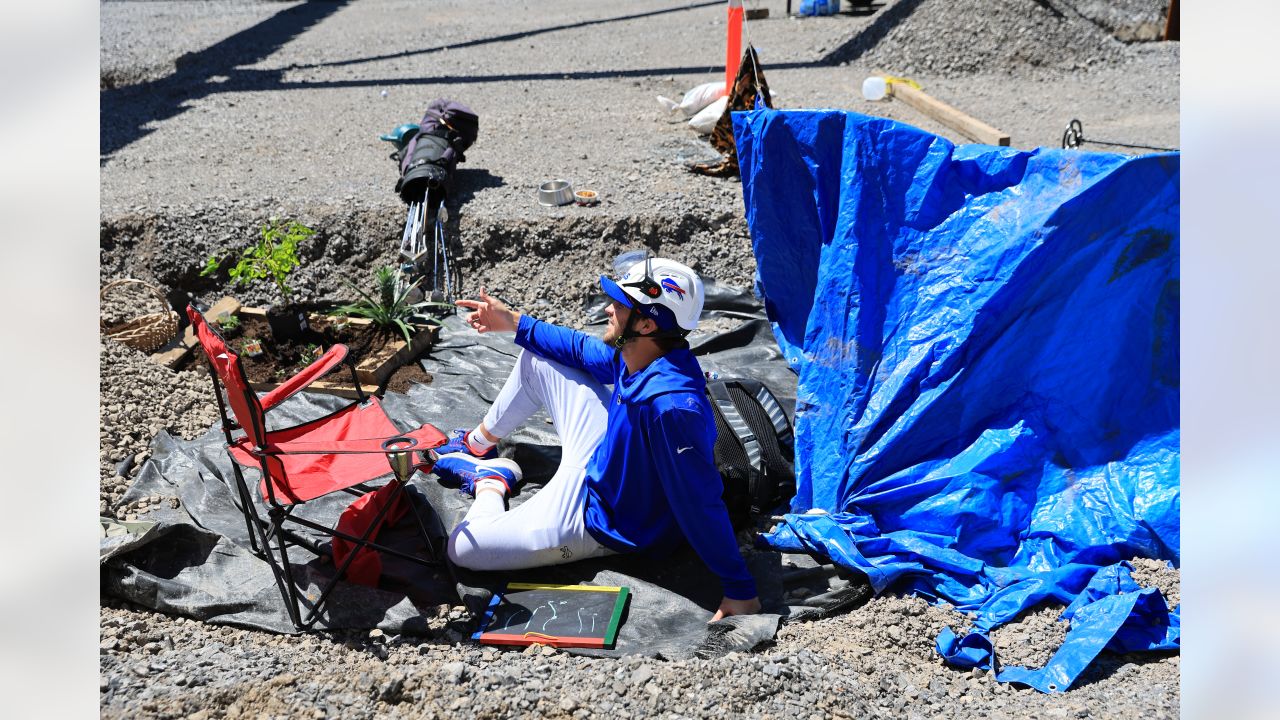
{"type": "Point", "coordinates": [668, 104]}
{"type": "Point", "coordinates": [705, 121]}
{"type": "Point", "coordinates": [694, 100]}
{"type": "Point", "coordinates": [700, 97]}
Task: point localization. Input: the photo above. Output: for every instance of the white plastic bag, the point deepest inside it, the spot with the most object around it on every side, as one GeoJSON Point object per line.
{"type": "Point", "coordinates": [705, 121]}
{"type": "Point", "coordinates": [694, 100]}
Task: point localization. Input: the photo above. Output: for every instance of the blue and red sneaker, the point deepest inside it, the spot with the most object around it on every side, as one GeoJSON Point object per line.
{"type": "Point", "coordinates": [463, 471]}
{"type": "Point", "coordinates": [458, 444]}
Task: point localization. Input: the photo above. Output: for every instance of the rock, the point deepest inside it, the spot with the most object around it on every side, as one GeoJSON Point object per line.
{"type": "Point", "coordinates": [392, 690]}
{"type": "Point", "coordinates": [454, 672]}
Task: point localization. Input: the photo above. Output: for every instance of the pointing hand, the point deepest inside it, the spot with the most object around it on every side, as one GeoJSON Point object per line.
{"type": "Point", "coordinates": [490, 314]}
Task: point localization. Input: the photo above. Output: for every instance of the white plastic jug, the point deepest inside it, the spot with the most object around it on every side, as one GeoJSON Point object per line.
{"type": "Point", "coordinates": [875, 88]}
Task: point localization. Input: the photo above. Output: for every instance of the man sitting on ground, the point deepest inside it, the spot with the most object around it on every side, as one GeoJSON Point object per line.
{"type": "Point", "coordinates": [636, 473]}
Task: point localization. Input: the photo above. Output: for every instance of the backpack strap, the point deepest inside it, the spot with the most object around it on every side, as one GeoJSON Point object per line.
{"type": "Point", "coordinates": [768, 401]}
{"type": "Point", "coordinates": [719, 392]}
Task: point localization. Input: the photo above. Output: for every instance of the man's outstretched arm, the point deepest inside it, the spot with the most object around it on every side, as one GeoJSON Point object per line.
{"type": "Point", "coordinates": [565, 346]}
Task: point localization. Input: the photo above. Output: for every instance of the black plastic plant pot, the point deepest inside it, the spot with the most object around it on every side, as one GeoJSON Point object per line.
{"type": "Point", "coordinates": [287, 323]}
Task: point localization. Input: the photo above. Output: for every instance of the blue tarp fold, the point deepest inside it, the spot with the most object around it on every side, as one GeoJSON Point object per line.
{"type": "Point", "coordinates": [986, 341]}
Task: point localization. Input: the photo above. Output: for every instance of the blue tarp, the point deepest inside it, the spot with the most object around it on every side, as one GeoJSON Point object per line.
{"type": "Point", "coordinates": [986, 341]}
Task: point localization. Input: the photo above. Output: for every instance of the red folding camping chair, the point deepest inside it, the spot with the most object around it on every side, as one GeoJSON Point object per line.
{"type": "Point", "coordinates": [339, 452]}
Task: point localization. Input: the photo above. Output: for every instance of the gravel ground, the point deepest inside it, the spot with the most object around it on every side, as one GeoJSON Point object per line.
{"type": "Point", "coordinates": [1127, 20]}
{"type": "Point", "coordinates": [219, 115]}
{"type": "Point", "coordinates": [961, 37]}
{"type": "Point", "coordinates": [130, 51]}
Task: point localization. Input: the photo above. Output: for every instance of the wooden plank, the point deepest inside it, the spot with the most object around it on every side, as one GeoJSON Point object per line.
{"type": "Point", "coordinates": [966, 125]}
{"type": "Point", "coordinates": [377, 368]}
{"type": "Point", "coordinates": [322, 386]}
{"type": "Point", "coordinates": [261, 313]}
{"type": "Point", "coordinates": [171, 355]}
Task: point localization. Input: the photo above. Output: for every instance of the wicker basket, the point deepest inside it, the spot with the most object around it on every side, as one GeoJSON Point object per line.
{"type": "Point", "coordinates": [147, 332]}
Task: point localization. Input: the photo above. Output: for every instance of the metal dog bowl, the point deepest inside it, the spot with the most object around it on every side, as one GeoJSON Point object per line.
{"type": "Point", "coordinates": [555, 192]}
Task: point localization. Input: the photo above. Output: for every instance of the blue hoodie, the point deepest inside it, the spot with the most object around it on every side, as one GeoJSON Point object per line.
{"type": "Point", "coordinates": [652, 481]}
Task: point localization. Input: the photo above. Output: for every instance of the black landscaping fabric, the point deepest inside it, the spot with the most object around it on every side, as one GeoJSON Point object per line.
{"type": "Point", "coordinates": [195, 562]}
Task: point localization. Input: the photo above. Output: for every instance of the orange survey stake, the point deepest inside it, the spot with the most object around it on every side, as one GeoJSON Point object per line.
{"type": "Point", "coordinates": [733, 45]}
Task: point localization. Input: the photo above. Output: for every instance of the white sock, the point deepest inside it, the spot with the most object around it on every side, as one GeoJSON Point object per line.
{"type": "Point", "coordinates": [477, 441]}
{"type": "Point", "coordinates": [488, 503]}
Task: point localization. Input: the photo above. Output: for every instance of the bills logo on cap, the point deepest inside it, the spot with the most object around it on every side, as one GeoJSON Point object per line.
{"type": "Point", "coordinates": [670, 286]}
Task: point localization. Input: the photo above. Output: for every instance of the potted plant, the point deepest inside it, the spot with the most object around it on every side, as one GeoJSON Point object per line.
{"type": "Point", "coordinates": [228, 323]}
{"type": "Point", "coordinates": [388, 309]}
{"type": "Point", "coordinates": [272, 258]}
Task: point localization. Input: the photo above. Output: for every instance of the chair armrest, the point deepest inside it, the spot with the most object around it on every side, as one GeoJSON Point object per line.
{"type": "Point", "coordinates": [428, 437]}
{"type": "Point", "coordinates": [316, 370]}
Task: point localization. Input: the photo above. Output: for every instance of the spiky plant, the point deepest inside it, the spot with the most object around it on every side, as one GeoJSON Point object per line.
{"type": "Point", "coordinates": [384, 306]}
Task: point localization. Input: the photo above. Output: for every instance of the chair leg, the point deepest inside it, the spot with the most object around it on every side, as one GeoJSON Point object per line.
{"type": "Point", "coordinates": [260, 543]}
{"type": "Point", "coordinates": [433, 552]}
{"type": "Point", "coordinates": [280, 567]}
{"type": "Point", "coordinates": [278, 517]}
{"type": "Point", "coordinates": [283, 574]}
{"type": "Point", "coordinates": [304, 541]}
{"type": "Point", "coordinates": [260, 539]}
{"type": "Point", "coordinates": [351, 556]}
{"type": "Point", "coordinates": [331, 532]}
{"type": "Point", "coordinates": [242, 490]}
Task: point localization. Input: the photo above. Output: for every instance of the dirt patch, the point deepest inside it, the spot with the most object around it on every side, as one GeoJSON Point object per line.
{"type": "Point", "coordinates": [1032, 639]}
{"type": "Point", "coordinates": [278, 360]}
{"type": "Point", "coordinates": [406, 377]}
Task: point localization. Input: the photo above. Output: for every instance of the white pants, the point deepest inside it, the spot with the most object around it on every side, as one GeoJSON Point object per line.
{"type": "Point", "coordinates": [548, 528]}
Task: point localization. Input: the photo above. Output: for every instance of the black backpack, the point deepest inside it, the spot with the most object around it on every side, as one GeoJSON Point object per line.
{"type": "Point", "coordinates": [427, 161]}
{"type": "Point", "coordinates": [754, 451]}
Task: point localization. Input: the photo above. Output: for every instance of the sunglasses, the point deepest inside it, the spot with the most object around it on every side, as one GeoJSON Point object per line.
{"type": "Point", "coordinates": [646, 285]}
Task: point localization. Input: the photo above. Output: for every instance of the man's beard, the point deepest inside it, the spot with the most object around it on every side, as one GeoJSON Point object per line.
{"type": "Point", "coordinates": [612, 332]}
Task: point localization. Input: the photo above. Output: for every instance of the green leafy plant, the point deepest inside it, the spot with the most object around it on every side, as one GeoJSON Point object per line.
{"type": "Point", "coordinates": [272, 258]}
{"type": "Point", "coordinates": [385, 307]}
{"type": "Point", "coordinates": [228, 321]}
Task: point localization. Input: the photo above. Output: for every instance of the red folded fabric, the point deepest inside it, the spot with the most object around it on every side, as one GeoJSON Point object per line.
{"type": "Point", "coordinates": [366, 568]}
